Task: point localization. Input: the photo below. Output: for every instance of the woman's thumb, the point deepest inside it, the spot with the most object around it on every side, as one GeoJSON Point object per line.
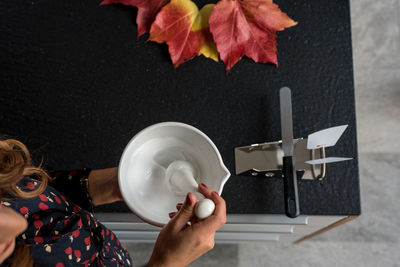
{"type": "Point", "coordinates": [185, 213]}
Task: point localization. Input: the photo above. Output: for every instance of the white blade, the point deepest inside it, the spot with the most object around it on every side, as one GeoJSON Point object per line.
{"type": "Point", "coordinates": [325, 138]}
{"type": "Point", "coordinates": [326, 160]}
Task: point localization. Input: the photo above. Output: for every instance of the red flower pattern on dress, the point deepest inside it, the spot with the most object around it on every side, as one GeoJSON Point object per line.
{"type": "Point", "coordinates": [60, 264]}
{"type": "Point", "coordinates": [38, 239]}
{"type": "Point", "coordinates": [43, 206]}
{"type": "Point", "coordinates": [38, 224]}
{"type": "Point", "coordinates": [76, 233]}
{"type": "Point", "coordinates": [57, 199]}
{"type": "Point", "coordinates": [63, 198]}
{"type": "Point", "coordinates": [68, 250]}
{"type": "Point", "coordinates": [23, 210]}
{"type": "Point", "coordinates": [86, 240]}
{"type": "Point", "coordinates": [76, 208]}
{"type": "Point", "coordinates": [43, 197]}
{"type": "Point", "coordinates": [30, 185]}
{"type": "Point", "coordinates": [77, 253]}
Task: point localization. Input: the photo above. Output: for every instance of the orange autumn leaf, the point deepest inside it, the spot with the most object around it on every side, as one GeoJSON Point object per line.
{"type": "Point", "coordinates": [247, 27]}
{"type": "Point", "coordinates": [185, 29]}
{"type": "Point", "coordinates": [147, 11]}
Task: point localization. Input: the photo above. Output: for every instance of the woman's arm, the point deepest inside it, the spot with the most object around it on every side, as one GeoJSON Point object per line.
{"type": "Point", "coordinates": [86, 187]}
{"type": "Point", "coordinates": [103, 186]}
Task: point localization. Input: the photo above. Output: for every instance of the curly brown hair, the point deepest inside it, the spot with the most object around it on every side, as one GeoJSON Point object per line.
{"type": "Point", "coordinates": [15, 163]}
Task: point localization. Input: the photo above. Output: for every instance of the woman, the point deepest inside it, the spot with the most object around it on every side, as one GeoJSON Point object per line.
{"type": "Point", "coordinates": [47, 218]}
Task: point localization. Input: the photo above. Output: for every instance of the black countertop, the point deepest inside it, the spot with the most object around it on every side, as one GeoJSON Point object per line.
{"type": "Point", "coordinates": [76, 85]}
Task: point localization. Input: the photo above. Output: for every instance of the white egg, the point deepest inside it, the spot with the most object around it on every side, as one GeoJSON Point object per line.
{"type": "Point", "coordinates": [204, 208]}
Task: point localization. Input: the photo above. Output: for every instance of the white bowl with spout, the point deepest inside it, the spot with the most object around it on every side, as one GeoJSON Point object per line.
{"type": "Point", "coordinates": [143, 165]}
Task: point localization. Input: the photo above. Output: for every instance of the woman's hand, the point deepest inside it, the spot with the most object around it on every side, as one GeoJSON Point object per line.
{"type": "Point", "coordinates": [103, 186]}
{"type": "Point", "coordinates": [179, 243]}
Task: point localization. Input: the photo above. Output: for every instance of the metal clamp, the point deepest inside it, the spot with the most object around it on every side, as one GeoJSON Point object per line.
{"type": "Point", "coordinates": [322, 173]}
{"type": "Point", "coordinates": [265, 160]}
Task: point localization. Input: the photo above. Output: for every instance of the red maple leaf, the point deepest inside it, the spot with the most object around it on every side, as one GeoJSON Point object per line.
{"type": "Point", "coordinates": [147, 11]}
{"type": "Point", "coordinates": [185, 29]}
{"type": "Point", "coordinates": [247, 27]}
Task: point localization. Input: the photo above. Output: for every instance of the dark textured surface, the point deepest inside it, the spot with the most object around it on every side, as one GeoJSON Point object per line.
{"type": "Point", "coordinates": [76, 85]}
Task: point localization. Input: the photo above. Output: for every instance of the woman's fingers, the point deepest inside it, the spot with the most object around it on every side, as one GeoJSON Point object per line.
{"type": "Point", "coordinates": [193, 220]}
{"type": "Point", "coordinates": [203, 189]}
{"type": "Point", "coordinates": [185, 211]}
{"type": "Point", "coordinates": [178, 207]}
{"type": "Point", "coordinates": [179, 221]}
{"type": "Point", "coordinates": [218, 219]}
{"type": "Point", "coordinates": [220, 206]}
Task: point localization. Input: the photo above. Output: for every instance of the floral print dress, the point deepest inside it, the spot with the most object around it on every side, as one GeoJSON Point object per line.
{"type": "Point", "coordinates": [61, 230]}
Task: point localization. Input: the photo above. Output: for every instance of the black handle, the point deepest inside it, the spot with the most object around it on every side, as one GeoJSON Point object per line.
{"type": "Point", "coordinates": [291, 195]}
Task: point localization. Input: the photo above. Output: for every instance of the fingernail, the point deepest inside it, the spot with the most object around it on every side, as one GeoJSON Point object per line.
{"type": "Point", "coordinates": [188, 200]}
{"type": "Point", "coordinates": [203, 185]}
{"type": "Point", "coordinates": [171, 214]}
{"type": "Point", "coordinates": [215, 193]}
